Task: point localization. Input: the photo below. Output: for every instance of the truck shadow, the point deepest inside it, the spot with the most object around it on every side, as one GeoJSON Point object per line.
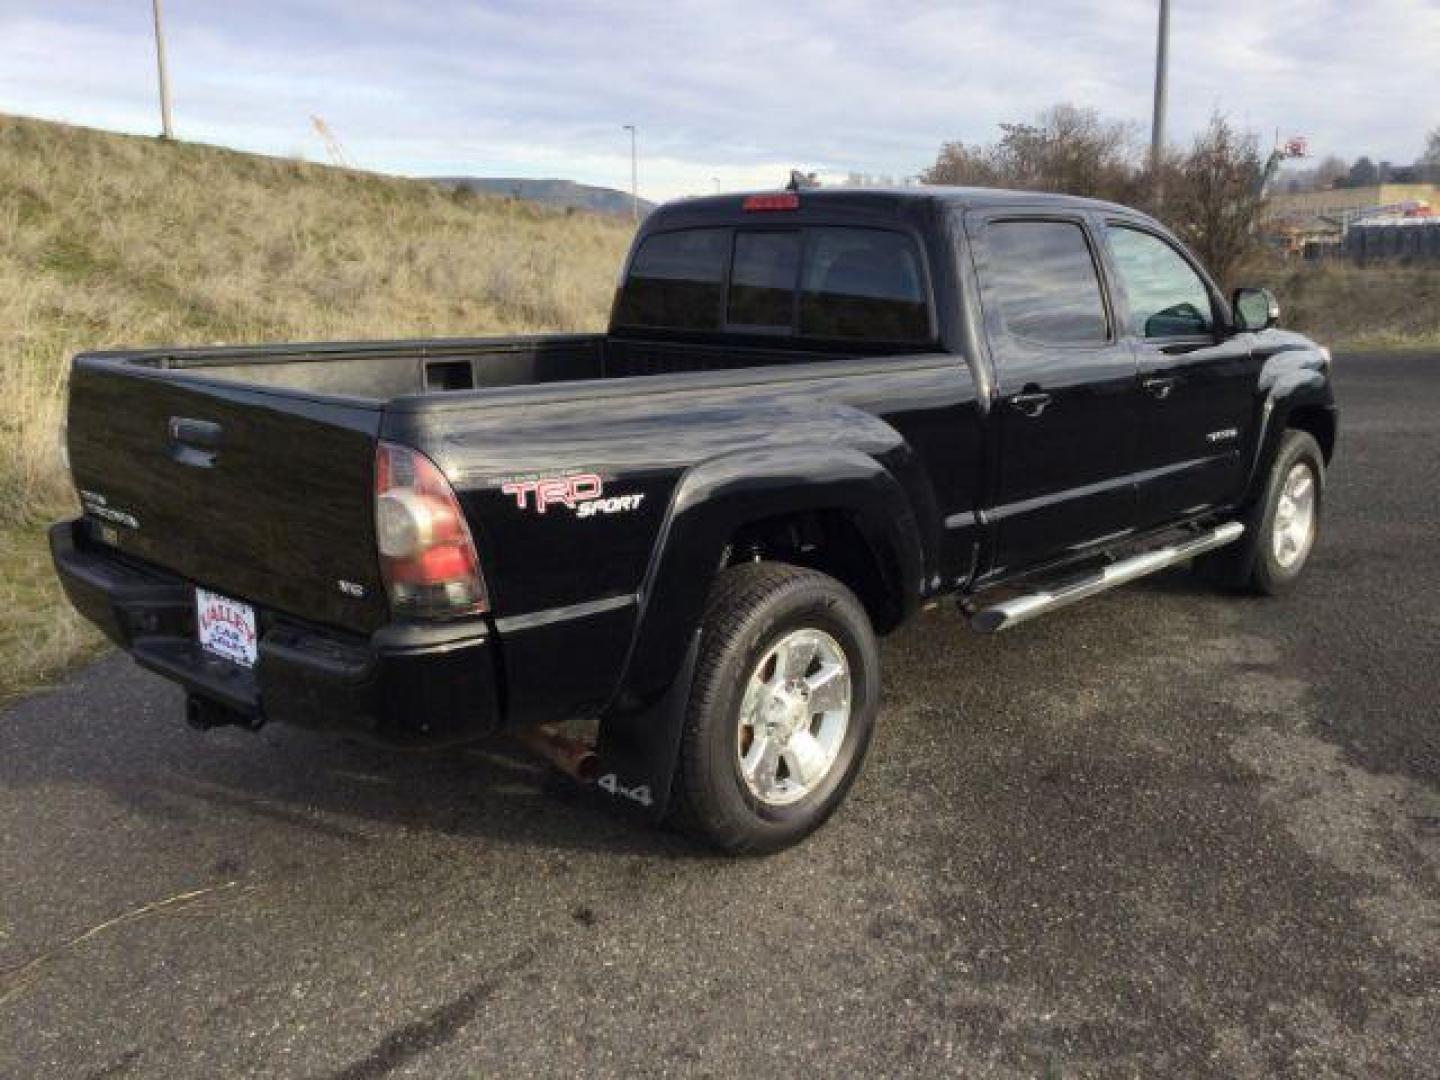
{"type": "Point", "coordinates": [119, 732]}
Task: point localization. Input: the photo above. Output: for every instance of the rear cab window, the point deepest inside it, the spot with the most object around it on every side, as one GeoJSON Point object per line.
{"type": "Point", "coordinates": [1042, 278]}
{"type": "Point", "coordinates": [824, 283]}
{"type": "Point", "coordinates": [676, 281]}
{"type": "Point", "coordinates": [762, 281]}
{"type": "Point", "coordinates": [863, 285]}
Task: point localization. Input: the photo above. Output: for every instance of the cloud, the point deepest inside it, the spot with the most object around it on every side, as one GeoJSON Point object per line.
{"type": "Point", "coordinates": [739, 90]}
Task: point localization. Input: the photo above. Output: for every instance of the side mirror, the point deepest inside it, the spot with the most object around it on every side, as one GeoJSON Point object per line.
{"type": "Point", "coordinates": [1255, 309]}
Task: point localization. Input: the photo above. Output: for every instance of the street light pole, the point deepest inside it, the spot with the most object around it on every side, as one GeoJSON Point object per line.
{"type": "Point", "coordinates": [166, 130]}
{"type": "Point", "coordinates": [634, 174]}
{"type": "Point", "coordinates": [1157, 123]}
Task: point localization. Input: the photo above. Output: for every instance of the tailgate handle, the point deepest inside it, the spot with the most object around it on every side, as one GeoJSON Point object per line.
{"type": "Point", "coordinates": [194, 442]}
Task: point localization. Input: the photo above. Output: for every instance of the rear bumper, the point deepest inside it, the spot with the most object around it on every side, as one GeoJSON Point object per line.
{"type": "Point", "coordinates": [404, 685]}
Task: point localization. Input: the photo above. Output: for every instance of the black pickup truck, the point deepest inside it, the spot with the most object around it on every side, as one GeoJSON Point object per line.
{"type": "Point", "coordinates": [813, 414]}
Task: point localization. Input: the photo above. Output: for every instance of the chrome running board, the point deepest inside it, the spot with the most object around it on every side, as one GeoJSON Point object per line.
{"type": "Point", "coordinates": [1008, 613]}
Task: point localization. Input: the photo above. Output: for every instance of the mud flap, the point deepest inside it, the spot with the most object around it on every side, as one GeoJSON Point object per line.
{"type": "Point", "coordinates": [639, 750]}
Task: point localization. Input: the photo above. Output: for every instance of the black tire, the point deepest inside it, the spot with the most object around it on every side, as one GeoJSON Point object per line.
{"type": "Point", "coordinates": [750, 608]}
{"type": "Point", "coordinates": [1252, 565]}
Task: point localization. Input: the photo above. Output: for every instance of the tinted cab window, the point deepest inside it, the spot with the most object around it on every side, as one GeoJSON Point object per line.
{"type": "Point", "coordinates": [826, 283]}
{"type": "Point", "coordinates": [676, 281]}
{"type": "Point", "coordinates": [1167, 297]}
{"type": "Point", "coordinates": [1042, 276]}
{"type": "Point", "coordinates": [762, 281]}
{"type": "Point", "coordinates": [863, 285]}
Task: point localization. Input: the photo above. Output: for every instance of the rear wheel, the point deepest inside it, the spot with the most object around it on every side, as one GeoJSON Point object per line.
{"type": "Point", "coordinates": [1282, 528]}
{"type": "Point", "coordinates": [781, 710]}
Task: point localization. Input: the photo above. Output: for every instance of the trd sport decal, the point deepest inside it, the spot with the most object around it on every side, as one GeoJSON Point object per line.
{"type": "Point", "coordinates": [584, 493]}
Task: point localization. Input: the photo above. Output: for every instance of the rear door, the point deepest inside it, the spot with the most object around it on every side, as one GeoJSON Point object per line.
{"type": "Point", "coordinates": [262, 495]}
{"type": "Point", "coordinates": [1197, 380]}
{"type": "Point", "coordinates": [1063, 427]}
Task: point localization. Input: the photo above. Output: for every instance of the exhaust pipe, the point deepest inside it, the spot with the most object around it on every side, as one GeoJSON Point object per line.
{"type": "Point", "coordinates": [574, 758]}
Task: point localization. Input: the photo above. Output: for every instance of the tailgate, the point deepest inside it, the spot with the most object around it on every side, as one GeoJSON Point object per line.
{"type": "Point", "coordinates": [263, 495]}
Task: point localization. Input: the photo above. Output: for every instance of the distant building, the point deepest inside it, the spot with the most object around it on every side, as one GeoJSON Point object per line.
{"type": "Point", "coordinates": [1314, 222]}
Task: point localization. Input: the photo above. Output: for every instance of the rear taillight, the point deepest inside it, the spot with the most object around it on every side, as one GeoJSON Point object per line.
{"type": "Point", "coordinates": [427, 558]}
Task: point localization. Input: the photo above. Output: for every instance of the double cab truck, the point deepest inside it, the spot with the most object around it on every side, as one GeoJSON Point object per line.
{"type": "Point", "coordinates": [814, 413]}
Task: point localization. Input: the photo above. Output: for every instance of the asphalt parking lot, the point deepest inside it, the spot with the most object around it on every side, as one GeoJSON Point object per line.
{"type": "Point", "coordinates": [1164, 832]}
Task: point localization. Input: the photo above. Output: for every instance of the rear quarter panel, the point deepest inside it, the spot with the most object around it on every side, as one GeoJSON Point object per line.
{"type": "Point", "coordinates": [570, 593]}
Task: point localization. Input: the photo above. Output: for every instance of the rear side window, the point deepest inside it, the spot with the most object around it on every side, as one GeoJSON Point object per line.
{"type": "Point", "coordinates": [1042, 277]}
{"type": "Point", "coordinates": [762, 280]}
{"type": "Point", "coordinates": [1167, 298]}
{"type": "Point", "coordinates": [676, 281]}
{"type": "Point", "coordinates": [863, 285]}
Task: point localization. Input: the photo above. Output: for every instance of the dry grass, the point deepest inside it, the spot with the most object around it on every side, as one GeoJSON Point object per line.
{"type": "Point", "coordinates": [110, 240]}
{"type": "Point", "coordinates": [1361, 307]}
{"type": "Point", "coordinates": [40, 633]}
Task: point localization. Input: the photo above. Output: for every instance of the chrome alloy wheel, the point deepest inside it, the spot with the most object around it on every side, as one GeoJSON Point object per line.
{"type": "Point", "coordinates": [793, 717]}
{"type": "Point", "coordinates": [1295, 516]}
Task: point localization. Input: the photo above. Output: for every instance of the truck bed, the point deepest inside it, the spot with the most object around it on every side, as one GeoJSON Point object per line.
{"type": "Point", "coordinates": [249, 470]}
{"type": "Point", "coordinates": [379, 371]}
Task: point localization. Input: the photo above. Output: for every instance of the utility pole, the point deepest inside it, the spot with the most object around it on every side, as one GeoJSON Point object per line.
{"type": "Point", "coordinates": [166, 130]}
{"type": "Point", "coordinates": [634, 175]}
{"type": "Point", "coordinates": [1157, 123]}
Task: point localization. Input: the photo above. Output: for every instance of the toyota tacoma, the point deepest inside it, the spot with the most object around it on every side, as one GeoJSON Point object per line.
{"type": "Point", "coordinates": [813, 414]}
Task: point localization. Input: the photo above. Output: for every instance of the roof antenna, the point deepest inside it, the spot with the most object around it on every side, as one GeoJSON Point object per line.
{"type": "Point", "coordinates": [799, 181]}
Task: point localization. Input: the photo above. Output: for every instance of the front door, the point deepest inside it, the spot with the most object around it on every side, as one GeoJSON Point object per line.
{"type": "Point", "coordinates": [1197, 380]}
{"type": "Point", "coordinates": [1062, 430]}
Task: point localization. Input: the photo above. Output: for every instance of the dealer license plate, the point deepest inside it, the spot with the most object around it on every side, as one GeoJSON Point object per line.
{"type": "Point", "coordinates": [225, 627]}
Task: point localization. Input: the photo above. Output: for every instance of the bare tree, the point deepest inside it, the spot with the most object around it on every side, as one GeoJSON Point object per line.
{"type": "Point", "coordinates": [1216, 199]}
{"type": "Point", "coordinates": [1363, 173]}
{"type": "Point", "coordinates": [1431, 156]}
{"type": "Point", "coordinates": [1214, 190]}
{"type": "Point", "coordinates": [1067, 149]}
{"type": "Point", "coordinates": [1428, 167]}
{"type": "Point", "coordinates": [1331, 170]}
{"type": "Point", "coordinates": [1072, 150]}
{"type": "Point", "coordinates": [964, 166]}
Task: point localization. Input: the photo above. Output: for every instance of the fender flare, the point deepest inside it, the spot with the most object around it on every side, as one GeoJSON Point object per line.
{"type": "Point", "coordinates": [640, 730]}
{"type": "Point", "coordinates": [1284, 391]}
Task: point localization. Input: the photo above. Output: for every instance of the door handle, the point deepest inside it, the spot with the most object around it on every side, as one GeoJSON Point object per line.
{"type": "Point", "coordinates": [194, 442]}
{"type": "Point", "coordinates": [1030, 403]}
{"type": "Point", "coordinates": [1158, 386]}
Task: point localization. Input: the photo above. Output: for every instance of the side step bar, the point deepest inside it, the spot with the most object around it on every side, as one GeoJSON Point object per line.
{"type": "Point", "coordinates": [1008, 613]}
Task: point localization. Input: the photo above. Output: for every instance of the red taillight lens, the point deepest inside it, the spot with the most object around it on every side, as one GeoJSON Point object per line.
{"type": "Point", "coordinates": [427, 558]}
{"type": "Point", "coordinates": [788, 201]}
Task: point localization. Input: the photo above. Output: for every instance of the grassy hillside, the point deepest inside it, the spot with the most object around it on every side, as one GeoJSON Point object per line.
{"type": "Point", "coordinates": [549, 192]}
{"type": "Point", "coordinates": [1359, 307]}
{"type": "Point", "coordinates": [112, 240]}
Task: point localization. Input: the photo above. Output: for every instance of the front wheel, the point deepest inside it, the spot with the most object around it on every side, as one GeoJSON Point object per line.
{"type": "Point", "coordinates": [1282, 528]}
{"type": "Point", "coordinates": [781, 710]}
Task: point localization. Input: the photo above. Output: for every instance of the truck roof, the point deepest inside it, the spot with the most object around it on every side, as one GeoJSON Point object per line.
{"type": "Point", "coordinates": [875, 197]}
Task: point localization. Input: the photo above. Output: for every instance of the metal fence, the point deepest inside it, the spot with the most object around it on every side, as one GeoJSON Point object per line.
{"type": "Point", "coordinates": [1396, 241]}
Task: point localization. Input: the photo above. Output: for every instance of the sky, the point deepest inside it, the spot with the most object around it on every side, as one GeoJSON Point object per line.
{"type": "Point", "coordinates": [725, 95]}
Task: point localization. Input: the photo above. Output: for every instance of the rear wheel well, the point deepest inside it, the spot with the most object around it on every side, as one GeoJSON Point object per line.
{"type": "Point", "coordinates": [1319, 423]}
{"type": "Point", "coordinates": [832, 542]}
